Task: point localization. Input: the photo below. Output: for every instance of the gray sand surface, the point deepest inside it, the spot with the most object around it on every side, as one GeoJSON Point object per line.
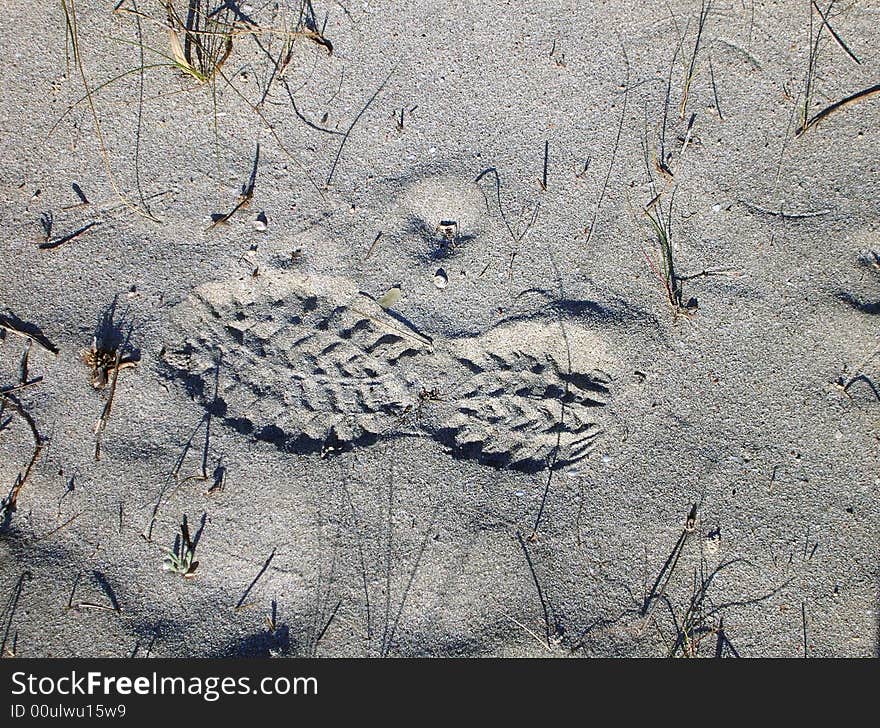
{"type": "Point", "coordinates": [364, 472]}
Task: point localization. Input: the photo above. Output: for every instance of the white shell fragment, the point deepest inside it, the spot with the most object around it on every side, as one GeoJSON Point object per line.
{"type": "Point", "coordinates": [260, 224]}
{"type": "Point", "coordinates": [441, 280]}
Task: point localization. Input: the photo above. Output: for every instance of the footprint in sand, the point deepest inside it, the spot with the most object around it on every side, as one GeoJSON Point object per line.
{"type": "Point", "coordinates": [310, 364]}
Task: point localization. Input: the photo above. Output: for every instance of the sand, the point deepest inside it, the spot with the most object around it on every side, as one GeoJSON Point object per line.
{"type": "Point", "coordinates": [500, 465]}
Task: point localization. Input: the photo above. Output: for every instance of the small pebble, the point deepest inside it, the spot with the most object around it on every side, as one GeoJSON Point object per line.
{"type": "Point", "coordinates": [261, 224]}
{"type": "Point", "coordinates": [390, 297]}
{"type": "Point", "coordinates": [440, 279]}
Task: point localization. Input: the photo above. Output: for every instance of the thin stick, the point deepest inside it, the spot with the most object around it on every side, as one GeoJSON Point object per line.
{"type": "Point", "coordinates": [58, 242]}
{"type": "Point", "coordinates": [373, 246]}
{"type": "Point", "coordinates": [8, 503]}
{"type": "Point", "coordinates": [59, 528]}
{"type": "Point", "coordinates": [688, 133]}
{"type": "Point", "coordinates": [704, 13]}
{"type": "Point", "coordinates": [255, 580]}
{"type": "Point", "coordinates": [92, 605]}
{"type": "Point", "coordinates": [356, 119]}
{"type": "Point", "coordinates": [23, 367]}
{"type": "Point", "coordinates": [835, 35]}
{"type": "Point", "coordinates": [19, 329]}
{"type": "Point", "coordinates": [838, 105]}
{"type": "Point", "coordinates": [804, 619]}
{"type": "Point", "coordinates": [546, 163]}
{"type": "Point", "coordinates": [101, 424]}
{"type": "Point", "coordinates": [715, 90]}
{"type": "Point", "coordinates": [732, 272]}
{"type": "Point", "coordinates": [538, 587]}
{"type": "Point", "coordinates": [613, 155]}
{"type": "Point", "coordinates": [19, 387]}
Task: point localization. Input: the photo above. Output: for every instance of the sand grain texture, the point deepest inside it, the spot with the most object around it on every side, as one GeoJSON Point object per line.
{"type": "Point", "coordinates": [397, 462]}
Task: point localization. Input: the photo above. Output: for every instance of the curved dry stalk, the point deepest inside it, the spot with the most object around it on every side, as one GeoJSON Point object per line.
{"type": "Point", "coordinates": [275, 136]}
{"type": "Point", "coordinates": [614, 150]}
{"type": "Point", "coordinates": [8, 503]}
{"type": "Point", "coordinates": [69, 8]}
{"type": "Point", "coordinates": [834, 33]}
{"type": "Point", "coordinates": [100, 86]}
{"type": "Point", "coordinates": [865, 93]}
{"type": "Point", "coordinates": [178, 59]}
{"type": "Point", "coordinates": [353, 123]}
{"type": "Point", "coordinates": [233, 30]}
{"type": "Point", "coordinates": [705, 9]}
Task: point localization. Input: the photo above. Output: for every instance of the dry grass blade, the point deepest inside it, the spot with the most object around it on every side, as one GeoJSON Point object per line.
{"type": "Point", "coordinates": [200, 41]}
{"type": "Point", "coordinates": [661, 224]}
{"type": "Point", "coordinates": [207, 39]}
{"type": "Point", "coordinates": [244, 199]}
{"type": "Point", "coordinates": [866, 93]}
{"type": "Point", "coordinates": [662, 161]}
{"type": "Point", "coordinates": [540, 591]}
{"type": "Point", "coordinates": [58, 242]}
{"type": "Point", "coordinates": [834, 34]}
{"type": "Point", "coordinates": [352, 125]}
{"type": "Point", "coordinates": [8, 504]}
{"type": "Point", "coordinates": [28, 331]}
{"type": "Point", "coordinates": [614, 150]}
{"type": "Point", "coordinates": [8, 614]}
{"type": "Point", "coordinates": [705, 8]}
{"type": "Point", "coordinates": [101, 424]}
{"type": "Point", "coordinates": [388, 639]}
{"type": "Point", "coordinates": [69, 9]}
{"type": "Point", "coordinates": [811, 64]}
{"type": "Point", "coordinates": [516, 237]}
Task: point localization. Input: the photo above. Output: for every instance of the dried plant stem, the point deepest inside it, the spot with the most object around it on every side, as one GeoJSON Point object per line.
{"type": "Point", "coordinates": [9, 503]}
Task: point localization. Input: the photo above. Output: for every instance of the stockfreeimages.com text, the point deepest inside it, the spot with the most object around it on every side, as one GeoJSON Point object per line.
{"type": "Point", "coordinates": [210, 688]}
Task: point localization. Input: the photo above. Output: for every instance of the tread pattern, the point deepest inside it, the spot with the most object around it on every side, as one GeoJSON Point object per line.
{"type": "Point", "coordinates": [309, 364]}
